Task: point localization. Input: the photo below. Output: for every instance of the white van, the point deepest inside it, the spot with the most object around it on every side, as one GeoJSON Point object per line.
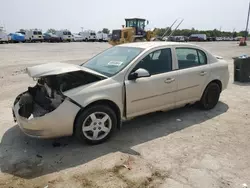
{"type": "Point", "coordinates": [3, 36]}
{"type": "Point", "coordinates": [88, 35]}
{"type": "Point", "coordinates": [65, 35]}
{"type": "Point", "coordinates": [32, 35]}
{"type": "Point", "coordinates": [102, 37]}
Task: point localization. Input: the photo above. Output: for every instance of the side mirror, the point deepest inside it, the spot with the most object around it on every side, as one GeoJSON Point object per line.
{"type": "Point", "coordinates": [139, 73]}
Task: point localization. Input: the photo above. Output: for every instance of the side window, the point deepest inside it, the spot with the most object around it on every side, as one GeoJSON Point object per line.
{"type": "Point", "coordinates": [157, 62]}
{"type": "Point", "coordinates": [189, 57]}
{"type": "Point", "coordinates": [202, 57]}
{"type": "Point", "coordinates": [155, 55]}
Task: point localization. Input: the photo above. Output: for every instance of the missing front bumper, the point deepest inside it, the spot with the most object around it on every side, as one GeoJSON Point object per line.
{"type": "Point", "coordinates": [57, 123]}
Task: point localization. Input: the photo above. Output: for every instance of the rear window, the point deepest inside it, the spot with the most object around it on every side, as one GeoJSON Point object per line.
{"type": "Point", "coordinates": [92, 33]}
{"type": "Point", "coordinates": [34, 32]}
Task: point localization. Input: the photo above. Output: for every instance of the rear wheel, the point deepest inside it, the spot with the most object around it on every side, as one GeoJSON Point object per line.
{"type": "Point", "coordinates": [210, 96]}
{"type": "Point", "coordinates": [96, 124]}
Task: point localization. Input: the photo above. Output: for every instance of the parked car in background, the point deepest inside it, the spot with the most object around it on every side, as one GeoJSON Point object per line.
{"type": "Point", "coordinates": [50, 37]}
{"type": "Point", "coordinates": [16, 37]}
{"type": "Point", "coordinates": [88, 35]}
{"type": "Point", "coordinates": [238, 38]}
{"type": "Point", "coordinates": [32, 35]}
{"type": "Point", "coordinates": [64, 35]}
{"type": "Point", "coordinates": [198, 37]}
{"type": "Point", "coordinates": [218, 38]}
{"type": "Point", "coordinates": [211, 38]}
{"type": "Point", "coordinates": [109, 36]}
{"type": "Point", "coordinates": [101, 37]}
{"type": "Point", "coordinates": [171, 38]}
{"type": "Point", "coordinates": [3, 36]}
{"type": "Point", "coordinates": [77, 38]}
{"type": "Point", "coordinates": [90, 100]}
{"type": "Point", "coordinates": [181, 39]}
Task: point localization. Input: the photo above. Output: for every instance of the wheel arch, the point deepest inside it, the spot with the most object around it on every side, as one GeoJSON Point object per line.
{"type": "Point", "coordinates": [217, 81]}
{"type": "Point", "coordinates": [110, 103]}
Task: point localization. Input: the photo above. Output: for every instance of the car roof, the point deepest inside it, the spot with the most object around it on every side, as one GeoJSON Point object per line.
{"type": "Point", "coordinates": [154, 44]}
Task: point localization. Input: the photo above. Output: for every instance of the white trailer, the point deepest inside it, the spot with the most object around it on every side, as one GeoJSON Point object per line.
{"type": "Point", "coordinates": [32, 35]}
{"type": "Point", "coordinates": [4, 38]}
{"type": "Point", "coordinates": [102, 37]}
{"type": "Point", "coordinates": [65, 35]}
{"type": "Point", "coordinates": [88, 35]}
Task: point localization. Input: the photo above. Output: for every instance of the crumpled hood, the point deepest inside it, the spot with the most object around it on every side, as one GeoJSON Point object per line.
{"type": "Point", "coordinates": [56, 69]}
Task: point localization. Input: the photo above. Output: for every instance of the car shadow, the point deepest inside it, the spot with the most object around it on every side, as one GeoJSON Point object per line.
{"type": "Point", "coordinates": [29, 158]}
{"type": "Point", "coordinates": [241, 83]}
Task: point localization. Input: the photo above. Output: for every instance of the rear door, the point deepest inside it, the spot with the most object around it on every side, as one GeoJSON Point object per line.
{"type": "Point", "coordinates": [193, 74]}
{"type": "Point", "coordinates": [156, 92]}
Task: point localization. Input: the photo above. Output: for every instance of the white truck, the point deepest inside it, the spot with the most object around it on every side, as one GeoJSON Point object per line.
{"type": "Point", "coordinates": [101, 37]}
{"type": "Point", "coordinates": [65, 35]}
{"type": "Point", "coordinates": [32, 35]}
{"type": "Point", "coordinates": [88, 35]}
{"type": "Point", "coordinates": [3, 36]}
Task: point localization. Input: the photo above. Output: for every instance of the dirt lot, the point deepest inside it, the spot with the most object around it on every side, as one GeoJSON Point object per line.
{"type": "Point", "coordinates": [203, 150]}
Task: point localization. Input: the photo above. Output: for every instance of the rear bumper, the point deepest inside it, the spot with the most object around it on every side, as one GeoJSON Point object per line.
{"type": "Point", "coordinates": [57, 123]}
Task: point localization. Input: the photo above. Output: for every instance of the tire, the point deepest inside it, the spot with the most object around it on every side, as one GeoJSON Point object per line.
{"type": "Point", "coordinates": [96, 126]}
{"type": "Point", "coordinates": [210, 96]}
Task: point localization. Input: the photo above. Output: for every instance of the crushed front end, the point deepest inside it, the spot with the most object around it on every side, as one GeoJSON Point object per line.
{"type": "Point", "coordinates": [43, 111]}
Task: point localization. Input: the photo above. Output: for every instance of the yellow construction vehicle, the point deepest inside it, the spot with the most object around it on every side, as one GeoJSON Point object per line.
{"type": "Point", "coordinates": [134, 31]}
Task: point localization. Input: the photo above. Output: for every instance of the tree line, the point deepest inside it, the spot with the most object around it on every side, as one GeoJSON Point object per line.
{"type": "Point", "coordinates": [209, 33]}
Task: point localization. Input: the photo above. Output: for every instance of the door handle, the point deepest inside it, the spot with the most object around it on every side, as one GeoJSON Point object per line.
{"type": "Point", "coordinates": [203, 73]}
{"type": "Point", "coordinates": [169, 80]}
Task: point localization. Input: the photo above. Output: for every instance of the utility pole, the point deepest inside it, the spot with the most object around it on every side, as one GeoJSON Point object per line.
{"type": "Point", "coordinates": [246, 32]}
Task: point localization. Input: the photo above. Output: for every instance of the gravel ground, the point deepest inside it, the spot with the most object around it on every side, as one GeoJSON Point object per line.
{"type": "Point", "coordinates": [205, 149]}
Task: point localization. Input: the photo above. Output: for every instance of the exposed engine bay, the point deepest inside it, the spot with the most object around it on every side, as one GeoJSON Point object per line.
{"type": "Point", "coordinates": [47, 94]}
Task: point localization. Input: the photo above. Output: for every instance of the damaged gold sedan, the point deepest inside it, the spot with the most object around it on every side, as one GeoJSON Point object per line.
{"type": "Point", "coordinates": [44, 111]}
{"type": "Point", "coordinates": [91, 100]}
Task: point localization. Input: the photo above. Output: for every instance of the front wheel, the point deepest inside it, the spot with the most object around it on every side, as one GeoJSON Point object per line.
{"type": "Point", "coordinates": [210, 96]}
{"type": "Point", "coordinates": [95, 124]}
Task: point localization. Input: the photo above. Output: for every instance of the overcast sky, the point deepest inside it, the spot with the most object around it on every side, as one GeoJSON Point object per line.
{"type": "Point", "coordinates": [97, 14]}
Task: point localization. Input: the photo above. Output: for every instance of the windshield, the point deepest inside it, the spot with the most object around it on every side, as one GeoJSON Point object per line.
{"type": "Point", "coordinates": [112, 60]}
{"type": "Point", "coordinates": [21, 32]}
{"type": "Point", "coordinates": [66, 33]}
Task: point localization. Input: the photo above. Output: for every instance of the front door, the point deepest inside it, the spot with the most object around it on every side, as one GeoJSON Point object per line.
{"type": "Point", "coordinates": [156, 92]}
{"type": "Point", "coordinates": [193, 74]}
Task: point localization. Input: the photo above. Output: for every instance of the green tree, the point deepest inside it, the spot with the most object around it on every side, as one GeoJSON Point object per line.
{"type": "Point", "coordinates": [161, 31]}
{"type": "Point", "coordinates": [106, 30]}
{"type": "Point", "coordinates": [51, 30]}
{"type": "Point", "coordinates": [234, 34]}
